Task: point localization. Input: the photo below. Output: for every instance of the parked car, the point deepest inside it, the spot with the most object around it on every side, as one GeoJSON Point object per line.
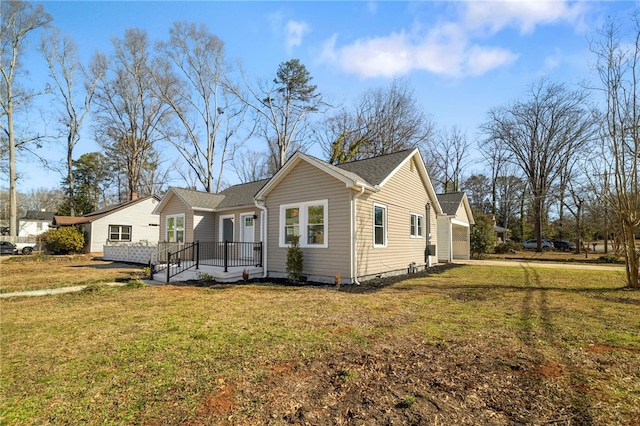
{"type": "Point", "coordinates": [8, 248]}
{"type": "Point", "coordinates": [563, 245]}
{"type": "Point", "coordinates": [533, 244]}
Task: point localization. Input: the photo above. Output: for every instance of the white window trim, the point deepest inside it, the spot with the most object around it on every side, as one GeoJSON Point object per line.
{"type": "Point", "coordinates": [418, 228]}
{"type": "Point", "coordinates": [221, 231]}
{"type": "Point", "coordinates": [120, 233]}
{"type": "Point", "coordinates": [166, 226]}
{"type": "Point", "coordinates": [384, 225]}
{"type": "Point", "coordinates": [303, 223]}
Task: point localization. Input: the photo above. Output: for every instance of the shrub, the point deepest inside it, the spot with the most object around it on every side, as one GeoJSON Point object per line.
{"type": "Point", "coordinates": [483, 237]}
{"type": "Point", "coordinates": [507, 247]}
{"type": "Point", "coordinates": [64, 240]}
{"type": "Point", "coordinates": [295, 261]}
{"type": "Point", "coordinates": [609, 258]}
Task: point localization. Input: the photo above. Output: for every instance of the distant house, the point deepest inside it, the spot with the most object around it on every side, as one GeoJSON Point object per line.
{"type": "Point", "coordinates": [34, 223]}
{"type": "Point", "coordinates": [454, 227]}
{"type": "Point", "coordinates": [358, 220]}
{"type": "Point", "coordinates": [129, 222]}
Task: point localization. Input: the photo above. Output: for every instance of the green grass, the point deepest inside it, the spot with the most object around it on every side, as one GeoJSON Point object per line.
{"type": "Point", "coordinates": [151, 354]}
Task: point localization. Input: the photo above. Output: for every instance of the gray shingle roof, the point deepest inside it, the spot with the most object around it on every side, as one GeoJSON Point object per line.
{"type": "Point", "coordinates": [38, 215]}
{"type": "Point", "coordinates": [375, 170]}
{"type": "Point", "coordinates": [450, 202]}
{"type": "Point", "coordinates": [199, 199]}
{"type": "Point", "coordinates": [234, 196]}
{"type": "Point", "coordinates": [242, 194]}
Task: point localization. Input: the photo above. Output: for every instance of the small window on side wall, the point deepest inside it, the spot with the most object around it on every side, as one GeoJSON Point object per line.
{"type": "Point", "coordinates": [119, 233]}
{"type": "Point", "coordinates": [416, 225]}
{"type": "Point", "coordinates": [379, 225]}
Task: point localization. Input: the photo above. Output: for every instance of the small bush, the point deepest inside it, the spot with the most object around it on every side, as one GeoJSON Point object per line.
{"type": "Point", "coordinates": [609, 258]}
{"type": "Point", "coordinates": [64, 240]}
{"type": "Point", "coordinates": [135, 284]}
{"type": "Point", "coordinates": [483, 237]}
{"type": "Point", "coordinates": [507, 247]}
{"type": "Point", "coordinates": [295, 261]}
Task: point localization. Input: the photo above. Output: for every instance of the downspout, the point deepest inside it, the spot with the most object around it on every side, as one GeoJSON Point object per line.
{"type": "Point", "coordinates": [264, 216]}
{"type": "Point", "coordinates": [427, 254]}
{"type": "Point", "coordinates": [354, 237]}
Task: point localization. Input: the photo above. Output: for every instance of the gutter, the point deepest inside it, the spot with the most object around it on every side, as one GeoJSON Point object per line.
{"type": "Point", "coordinates": [264, 216]}
{"type": "Point", "coordinates": [354, 238]}
{"type": "Point", "coordinates": [427, 254]}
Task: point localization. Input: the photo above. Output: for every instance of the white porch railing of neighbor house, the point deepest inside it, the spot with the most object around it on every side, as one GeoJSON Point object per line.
{"type": "Point", "coordinates": [179, 257]}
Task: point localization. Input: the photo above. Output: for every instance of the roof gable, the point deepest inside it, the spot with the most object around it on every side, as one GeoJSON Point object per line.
{"type": "Point", "coordinates": [98, 214]}
{"type": "Point", "coordinates": [371, 173]}
{"type": "Point", "coordinates": [349, 178]}
{"type": "Point", "coordinates": [451, 201]}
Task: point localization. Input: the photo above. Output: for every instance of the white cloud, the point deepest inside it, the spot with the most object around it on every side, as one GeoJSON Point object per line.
{"type": "Point", "coordinates": [294, 31]}
{"type": "Point", "coordinates": [443, 50]}
{"type": "Point", "coordinates": [453, 47]}
{"type": "Point", "coordinates": [524, 15]}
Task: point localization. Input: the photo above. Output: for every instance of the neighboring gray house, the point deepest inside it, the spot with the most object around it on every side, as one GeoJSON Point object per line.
{"type": "Point", "coordinates": [454, 242]}
{"type": "Point", "coordinates": [358, 220]}
{"type": "Point", "coordinates": [128, 222]}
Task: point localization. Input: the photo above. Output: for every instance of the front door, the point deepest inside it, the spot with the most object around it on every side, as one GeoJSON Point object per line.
{"type": "Point", "coordinates": [247, 235]}
{"type": "Point", "coordinates": [248, 223]}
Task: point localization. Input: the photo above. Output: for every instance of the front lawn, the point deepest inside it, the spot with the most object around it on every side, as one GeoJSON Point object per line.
{"type": "Point", "coordinates": [468, 345]}
{"type": "Point", "coordinates": [37, 272]}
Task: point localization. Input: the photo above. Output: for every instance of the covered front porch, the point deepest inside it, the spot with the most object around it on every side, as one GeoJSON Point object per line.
{"type": "Point", "coordinates": [226, 261]}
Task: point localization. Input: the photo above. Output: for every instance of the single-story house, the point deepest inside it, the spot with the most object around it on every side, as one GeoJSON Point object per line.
{"type": "Point", "coordinates": [34, 223]}
{"type": "Point", "coordinates": [358, 220]}
{"type": "Point", "coordinates": [128, 222]}
{"type": "Point", "coordinates": [454, 242]}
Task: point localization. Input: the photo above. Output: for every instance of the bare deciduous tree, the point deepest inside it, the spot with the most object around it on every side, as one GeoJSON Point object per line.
{"type": "Point", "coordinates": [383, 121]}
{"type": "Point", "coordinates": [251, 165]}
{"type": "Point", "coordinates": [18, 20]}
{"type": "Point", "coordinates": [618, 66]}
{"type": "Point", "coordinates": [450, 153]}
{"type": "Point", "coordinates": [542, 133]}
{"type": "Point", "coordinates": [73, 98]}
{"type": "Point", "coordinates": [211, 118]}
{"type": "Point", "coordinates": [129, 114]}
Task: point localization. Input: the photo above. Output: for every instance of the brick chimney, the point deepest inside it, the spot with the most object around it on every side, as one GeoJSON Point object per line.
{"type": "Point", "coordinates": [134, 196]}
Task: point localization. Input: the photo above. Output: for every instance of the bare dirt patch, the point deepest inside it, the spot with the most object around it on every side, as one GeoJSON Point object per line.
{"type": "Point", "coordinates": [416, 383]}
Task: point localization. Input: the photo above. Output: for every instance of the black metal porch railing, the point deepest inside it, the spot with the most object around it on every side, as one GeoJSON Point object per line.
{"type": "Point", "coordinates": [229, 254]}
{"type": "Point", "coordinates": [178, 257]}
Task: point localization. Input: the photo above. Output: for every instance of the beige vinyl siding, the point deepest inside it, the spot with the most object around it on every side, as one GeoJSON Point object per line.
{"type": "Point", "coordinates": [138, 216]}
{"type": "Point", "coordinates": [307, 183]}
{"type": "Point", "coordinates": [173, 207]}
{"type": "Point", "coordinates": [461, 214]}
{"type": "Point", "coordinates": [203, 226]}
{"type": "Point", "coordinates": [402, 195]}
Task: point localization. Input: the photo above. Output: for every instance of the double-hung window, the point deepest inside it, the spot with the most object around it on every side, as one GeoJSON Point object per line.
{"type": "Point", "coordinates": [416, 225]}
{"type": "Point", "coordinates": [379, 225]}
{"type": "Point", "coordinates": [119, 233]}
{"type": "Point", "coordinates": [175, 228]}
{"type": "Point", "coordinates": [306, 221]}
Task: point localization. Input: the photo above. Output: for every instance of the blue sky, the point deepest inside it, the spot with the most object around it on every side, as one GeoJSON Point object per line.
{"type": "Point", "coordinates": [461, 58]}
